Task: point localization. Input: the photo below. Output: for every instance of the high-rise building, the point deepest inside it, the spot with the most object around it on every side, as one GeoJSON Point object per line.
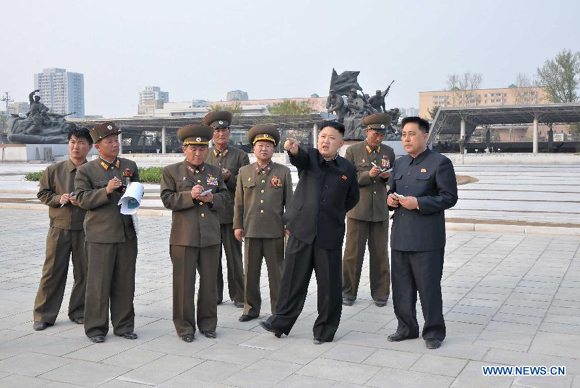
{"type": "Point", "coordinates": [62, 91]}
{"type": "Point", "coordinates": [151, 98]}
{"type": "Point", "coordinates": [237, 95]}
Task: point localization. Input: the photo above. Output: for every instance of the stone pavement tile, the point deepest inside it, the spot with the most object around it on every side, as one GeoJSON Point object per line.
{"type": "Point", "coordinates": [339, 371]}
{"type": "Point", "coordinates": [408, 379]}
{"type": "Point", "coordinates": [233, 354]}
{"type": "Point", "coordinates": [31, 364]}
{"type": "Point", "coordinates": [362, 326]}
{"type": "Point", "coordinates": [528, 311]}
{"type": "Point", "coordinates": [155, 329]}
{"type": "Point", "coordinates": [263, 373]}
{"type": "Point", "coordinates": [84, 373]}
{"type": "Point", "coordinates": [517, 300]}
{"type": "Point", "coordinates": [116, 383]}
{"type": "Point", "coordinates": [266, 341]}
{"type": "Point", "coordinates": [24, 344]}
{"type": "Point", "coordinates": [9, 335]}
{"type": "Point", "coordinates": [516, 318]}
{"type": "Point", "coordinates": [233, 336]}
{"type": "Point", "coordinates": [63, 346]}
{"type": "Point", "coordinates": [468, 318]}
{"type": "Point", "coordinates": [508, 327]}
{"type": "Point", "coordinates": [544, 381]}
{"type": "Point", "coordinates": [300, 351]}
{"type": "Point", "coordinates": [437, 365]}
{"type": "Point", "coordinates": [563, 319]}
{"type": "Point", "coordinates": [558, 328]}
{"type": "Point", "coordinates": [298, 381]}
{"type": "Point", "coordinates": [97, 352]}
{"type": "Point", "coordinates": [351, 353]}
{"type": "Point", "coordinates": [555, 344]}
{"type": "Point", "coordinates": [508, 357]}
{"type": "Point", "coordinates": [172, 344]}
{"type": "Point", "coordinates": [133, 358]}
{"type": "Point", "coordinates": [207, 371]}
{"type": "Point", "coordinates": [392, 359]}
{"type": "Point", "coordinates": [365, 316]}
{"type": "Point", "coordinates": [18, 381]}
{"type": "Point", "coordinates": [479, 310]}
{"type": "Point", "coordinates": [557, 310]}
{"type": "Point", "coordinates": [160, 370]}
{"type": "Point", "coordinates": [472, 377]}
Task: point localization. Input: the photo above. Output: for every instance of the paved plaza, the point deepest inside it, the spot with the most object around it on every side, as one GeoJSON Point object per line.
{"type": "Point", "coordinates": [510, 299]}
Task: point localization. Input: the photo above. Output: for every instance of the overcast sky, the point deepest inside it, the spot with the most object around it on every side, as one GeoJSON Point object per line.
{"type": "Point", "coordinates": [275, 49]}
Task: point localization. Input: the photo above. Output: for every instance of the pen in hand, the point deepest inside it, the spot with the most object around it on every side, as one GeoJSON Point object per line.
{"type": "Point", "coordinates": [71, 194]}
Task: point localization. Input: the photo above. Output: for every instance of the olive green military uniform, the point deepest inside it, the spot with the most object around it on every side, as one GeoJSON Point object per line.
{"type": "Point", "coordinates": [232, 159]}
{"type": "Point", "coordinates": [65, 237]}
{"type": "Point", "coordinates": [194, 242]}
{"type": "Point", "coordinates": [261, 197]}
{"type": "Point", "coordinates": [368, 220]}
{"type": "Point", "coordinates": [111, 242]}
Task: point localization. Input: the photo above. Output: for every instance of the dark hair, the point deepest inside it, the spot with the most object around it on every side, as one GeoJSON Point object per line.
{"type": "Point", "coordinates": [423, 124]}
{"type": "Point", "coordinates": [80, 132]}
{"type": "Point", "coordinates": [334, 124]}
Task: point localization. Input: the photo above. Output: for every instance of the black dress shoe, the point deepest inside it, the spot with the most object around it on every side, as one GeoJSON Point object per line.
{"type": "Point", "coordinates": [268, 327]}
{"type": "Point", "coordinates": [208, 334]}
{"type": "Point", "coordinates": [347, 302]}
{"type": "Point", "coordinates": [317, 341]}
{"type": "Point", "coordinates": [432, 343]}
{"type": "Point", "coordinates": [188, 337]}
{"type": "Point", "coordinates": [220, 302]}
{"type": "Point", "coordinates": [239, 305]}
{"type": "Point", "coordinates": [38, 325]}
{"type": "Point", "coordinates": [397, 337]}
{"type": "Point", "coordinates": [246, 318]}
{"type": "Point", "coordinates": [380, 303]}
{"type": "Point", "coordinates": [97, 339]}
{"type": "Point", "coordinates": [78, 320]}
{"type": "Point", "coordinates": [129, 335]}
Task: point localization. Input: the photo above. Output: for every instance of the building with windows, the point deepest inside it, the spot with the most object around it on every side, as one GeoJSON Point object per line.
{"type": "Point", "coordinates": [237, 95]}
{"type": "Point", "coordinates": [150, 99]}
{"type": "Point", "coordinates": [512, 95]}
{"type": "Point", "coordinates": [62, 91]}
{"type": "Point", "coordinates": [18, 108]}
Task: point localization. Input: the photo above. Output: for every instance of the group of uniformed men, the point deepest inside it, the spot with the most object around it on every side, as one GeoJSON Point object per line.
{"type": "Point", "coordinates": [218, 198]}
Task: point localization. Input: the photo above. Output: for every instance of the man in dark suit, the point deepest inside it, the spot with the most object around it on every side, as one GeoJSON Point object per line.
{"type": "Point", "coordinates": [327, 189]}
{"type": "Point", "coordinates": [422, 185]}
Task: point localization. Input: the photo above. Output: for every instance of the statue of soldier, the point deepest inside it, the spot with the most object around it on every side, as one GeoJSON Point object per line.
{"type": "Point", "coordinates": [378, 101]}
{"type": "Point", "coordinates": [335, 104]}
{"type": "Point", "coordinates": [352, 106]}
{"type": "Point", "coordinates": [38, 112]}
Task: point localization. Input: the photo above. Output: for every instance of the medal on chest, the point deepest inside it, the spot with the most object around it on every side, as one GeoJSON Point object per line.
{"type": "Point", "coordinates": [385, 162]}
{"type": "Point", "coordinates": [211, 180]}
{"type": "Point", "coordinates": [275, 182]}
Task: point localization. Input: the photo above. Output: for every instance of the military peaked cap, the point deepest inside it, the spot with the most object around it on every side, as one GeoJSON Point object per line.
{"type": "Point", "coordinates": [218, 120]}
{"type": "Point", "coordinates": [264, 132]}
{"type": "Point", "coordinates": [101, 131]}
{"type": "Point", "coordinates": [195, 134]}
{"type": "Point", "coordinates": [379, 122]}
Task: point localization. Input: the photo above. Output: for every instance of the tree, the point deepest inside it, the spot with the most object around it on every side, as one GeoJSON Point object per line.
{"type": "Point", "coordinates": [235, 109]}
{"type": "Point", "coordinates": [560, 76]}
{"type": "Point", "coordinates": [463, 87]}
{"type": "Point", "coordinates": [521, 89]}
{"type": "Point", "coordinates": [433, 112]}
{"type": "Point", "coordinates": [290, 108]}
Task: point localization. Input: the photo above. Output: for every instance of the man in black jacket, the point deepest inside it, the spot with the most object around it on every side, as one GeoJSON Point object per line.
{"type": "Point", "coordinates": [327, 189]}
{"type": "Point", "coordinates": [422, 185]}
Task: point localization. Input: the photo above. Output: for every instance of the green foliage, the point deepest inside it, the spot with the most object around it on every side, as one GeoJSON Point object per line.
{"type": "Point", "coordinates": [560, 76]}
{"type": "Point", "coordinates": [146, 175]}
{"type": "Point", "coordinates": [235, 109]}
{"type": "Point", "coordinates": [290, 108]}
{"type": "Point", "coordinates": [33, 176]}
{"type": "Point", "coordinates": [433, 112]}
{"type": "Point", "coordinates": [150, 174]}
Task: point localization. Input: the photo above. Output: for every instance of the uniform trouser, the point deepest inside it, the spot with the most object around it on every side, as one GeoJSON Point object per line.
{"type": "Point", "coordinates": [301, 259]}
{"type": "Point", "coordinates": [60, 243]}
{"type": "Point", "coordinates": [110, 276]}
{"type": "Point", "coordinates": [233, 249]}
{"type": "Point", "coordinates": [418, 272]}
{"type": "Point", "coordinates": [272, 249]}
{"type": "Point", "coordinates": [356, 239]}
{"type": "Point", "coordinates": [186, 260]}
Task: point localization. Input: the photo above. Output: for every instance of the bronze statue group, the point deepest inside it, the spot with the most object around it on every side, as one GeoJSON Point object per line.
{"type": "Point", "coordinates": [221, 202]}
